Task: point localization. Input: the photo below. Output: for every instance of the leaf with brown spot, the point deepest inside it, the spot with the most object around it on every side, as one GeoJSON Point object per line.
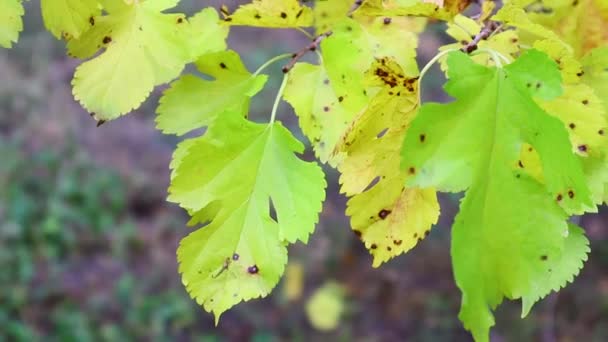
{"type": "Point", "coordinates": [386, 214]}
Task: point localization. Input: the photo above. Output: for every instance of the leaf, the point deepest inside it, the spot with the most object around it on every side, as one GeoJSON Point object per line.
{"type": "Point", "coordinates": [582, 24]}
{"type": "Point", "coordinates": [583, 114]}
{"type": "Point", "coordinates": [11, 23]}
{"type": "Point", "coordinates": [464, 30]}
{"type": "Point", "coordinates": [142, 48]}
{"type": "Point", "coordinates": [208, 34]}
{"type": "Point", "coordinates": [192, 102]}
{"type": "Point", "coordinates": [429, 9]}
{"type": "Point", "coordinates": [242, 252]}
{"type": "Point", "coordinates": [595, 72]}
{"type": "Point", "coordinates": [509, 224]}
{"type": "Point", "coordinates": [389, 218]}
{"type": "Point", "coordinates": [272, 13]}
{"type": "Point", "coordinates": [69, 18]}
{"type": "Point", "coordinates": [561, 270]}
{"type": "Point", "coordinates": [319, 108]}
{"type": "Point", "coordinates": [326, 306]}
{"type": "Point", "coordinates": [329, 13]}
{"type": "Point", "coordinates": [513, 15]}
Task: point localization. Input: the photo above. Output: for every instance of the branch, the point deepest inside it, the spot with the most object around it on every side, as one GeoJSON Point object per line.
{"type": "Point", "coordinates": [354, 7]}
{"type": "Point", "coordinates": [314, 45]}
{"type": "Point", "coordinates": [485, 33]}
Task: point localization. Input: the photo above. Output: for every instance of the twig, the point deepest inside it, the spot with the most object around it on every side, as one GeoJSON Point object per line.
{"type": "Point", "coordinates": [313, 46]}
{"type": "Point", "coordinates": [354, 7]}
{"type": "Point", "coordinates": [486, 32]}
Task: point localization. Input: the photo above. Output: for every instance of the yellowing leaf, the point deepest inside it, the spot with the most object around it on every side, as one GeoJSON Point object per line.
{"type": "Point", "coordinates": [192, 102]}
{"type": "Point", "coordinates": [69, 18]}
{"type": "Point", "coordinates": [389, 218]}
{"type": "Point", "coordinates": [142, 48]}
{"type": "Point", "coordinates": [443, 10]}
{"type": "Point", "coordinates": [230, 178]}
{"type": "Point", "coordinates": [272, 13]}
{"type": "Point", "coordinates": [319, 108]}
{"type": "Point", "coordinates": [294, 281]}
{"type": "Point", "coordinates": [512, 14]}
{"type": "Point", "coordinates": [582, 24]}
{"type": "Point", "coordinates": [325, 307]}
{"type": "Point", "coordinates": [464, 30]}
{"type": "Point", "coordinates": [328, 13]}
{"type": "Point", "coordinates": [583, 114]}
{"type": "Point", "coordinates": [570, 67]}
{"type": "Point", "coordinates": [11, 23]}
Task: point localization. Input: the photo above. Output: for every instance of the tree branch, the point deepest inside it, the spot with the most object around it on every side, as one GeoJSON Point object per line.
{"type": "Point", "coordinates": [314, 45]}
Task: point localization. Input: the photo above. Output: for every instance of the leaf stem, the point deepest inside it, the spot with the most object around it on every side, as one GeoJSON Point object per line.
{"type": "Point", "coordinates": [308, 35]}
{"type": "Point", "coordinates": [428, 66]}
{"type": "Point", "coordinates": [270, 61]}
{"type": "Point", "coordinates": [277, 100]}
{"type": "Point", "coordinates": [495, 56]}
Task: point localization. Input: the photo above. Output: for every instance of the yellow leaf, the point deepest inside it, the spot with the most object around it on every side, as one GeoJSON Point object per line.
{"type": "Point", "coordinates": [389, 218]}
{"type": "Point", "coordinates": [272, 13]}
{"type": "Point", "coordinates": [294, 281]}
{"type": "Point", "coordinates": [325, 306]}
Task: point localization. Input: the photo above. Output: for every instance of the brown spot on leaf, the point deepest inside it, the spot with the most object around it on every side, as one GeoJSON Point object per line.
{"type": "Point", "coordinates": [422, 138]}
{"type": "Point", "coordinates": [92, 21]}
{"type": "Point", "coordinates": [572, 125]}
{"type": "Point", "coordinates": [571, 194]}
{"type": "Point", "coordinates": [283, 15]}
{"type": "Point", "coordinates": [384, 213]}
{"type": "Point", "coordinates": [223, 66]}
{"type": "Point", "coordinates": [397, 242]}
{"type": "Point", "coordinates": [559, 197]}
{"type": "Point", "coordinates": [107, 39]}
{"type": "Point", "coordinates": [387, 21]}
{"type": "Point", "coordinates": [253, 269]}
{"type": "Point", "coordinates": [373, 246]}
{"type": "Point", "coordinates": [543, 257]}
{"type": "Point", "coordinates": [412, 170]}
{"type": "Point", "coordinates": [582, 148]}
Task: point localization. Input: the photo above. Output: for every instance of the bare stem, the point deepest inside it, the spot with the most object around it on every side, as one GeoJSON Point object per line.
{"type": "Point", "coordinates": [313, 46]}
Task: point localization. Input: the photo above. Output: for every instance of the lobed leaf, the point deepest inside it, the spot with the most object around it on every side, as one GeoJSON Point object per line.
{"type": "Point", "coordinates": [68, 19]}
{"type": "Point", "coordinates": [192, 102]}
{"type": "Point", "coordinates": [510, 226]}
{"type": "Point", "coordinates": [272, 13]}
{"type": "Point", "coordinates": [142, 48]}
{"type": "Point", "coordinates": [389, 218]}
{"type": "Point", "coordinates": [11, 23]}
{"type": "Point", "coordinates": [242, 252]}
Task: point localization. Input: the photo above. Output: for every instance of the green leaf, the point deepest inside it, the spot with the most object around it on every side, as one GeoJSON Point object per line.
{"type": "Point", "coordinates": [192, 102]}
{"type": "Point", "coordinates": [231, 176]}
{"type": "Point", "coordinates": [208, 34]}
{"type": "Point", "coordinates": [509, 224]}
{"type": "Point", "coordinates": [272, 13]}
{"type": "Point", "coordinates": [69, 18]}
{"type": "Point", "coordinates": [142, 48]}
{"type": "Point", "coordinates": [11, 23]}
{"type": "Point", "coordinates": [561, 270]}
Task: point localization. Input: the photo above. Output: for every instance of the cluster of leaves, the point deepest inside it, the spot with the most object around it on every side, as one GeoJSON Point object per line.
{"type": "Point", "coordinates": [525, 137]}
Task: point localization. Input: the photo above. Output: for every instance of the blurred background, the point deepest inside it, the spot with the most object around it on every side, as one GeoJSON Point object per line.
{"type": "Point", "coordinates": [87, 240]}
